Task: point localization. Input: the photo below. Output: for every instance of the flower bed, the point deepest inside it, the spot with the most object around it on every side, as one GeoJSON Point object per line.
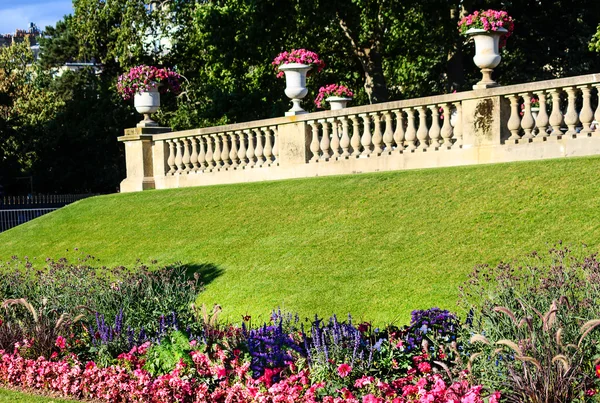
{"type": "Point", "coordinates": [263, 365]}
{"type": "Point", "coordinates": [145, 341]}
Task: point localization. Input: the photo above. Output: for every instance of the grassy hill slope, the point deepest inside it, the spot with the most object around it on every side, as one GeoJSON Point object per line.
{"type": "Point", "coordinates": [375, 245]}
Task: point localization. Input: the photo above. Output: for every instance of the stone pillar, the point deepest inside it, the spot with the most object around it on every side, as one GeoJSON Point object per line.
{"type": "Point", "coordinates": [139, 158]}
{"type": "Point", "coordinates": [484, 121]}
{"type": "Point", "coordinates": [293, 143]}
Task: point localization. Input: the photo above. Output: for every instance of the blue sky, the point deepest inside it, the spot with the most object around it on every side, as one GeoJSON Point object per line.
{"type": "Point", "coordinates": [19, 13]}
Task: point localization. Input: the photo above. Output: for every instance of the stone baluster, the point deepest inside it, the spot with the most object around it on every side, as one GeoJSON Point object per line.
{"type": "Point", "coordinates": [275, 145]}
{"type": "Point", "coordinates": [556, 117]}
{"type": "Point", "coordinates": [179, 156]}
{"type": "Point", "coordinates": [514, 122]}
{"type": "Point", "coordinates": [527, 122]}
{"type": "Point", "coordinates": [411, 130]}
{"type": "Point", "coordinates": [542, 119]}
{"type": "Point", "coordinates": [434, 130]}
{"type": "Point", "coordinates": [242, 150]}
{"type": "Point", "coordinates": [217, 153]}
{"type": "Point", "coordinates": [355, 140]}
{"type": "Point", "coordinates": [268, 151]}
{"type": "Point", "coordinates": [571, 117]}
{"type": "Point", "coordinates": [586, 115]}
{"type": "Point", "coordinates": [314, 144]}
{"type": "Point", "coordinates": [210, 155]}
{"type": "Point", "coordinates": [201, 154]}
{"type": "Point", "coordinates": [250, 151]}
{"type": "Point", "coordinates": [259, 149]}
{"type": "Point", "coordinates": [597, 113]}
{"type": "Point", "coordinates": [458, 126]}
{"type": "Point", "coordinates": [225, 150]}
{"type": "Point", "coordinates": [365, 140]}
{"type": "Point", "coordinates": [388, 134]}
{"type": "Point", "coordinates": [325, 140]}
{"type": "Point", "coordinates": [423, 131]}
{"type": "Point", "coordinates": [233, 154]}
{"type": "Point", "coordinates": [446, 131]}
{"type": "Point", "coordinates": [335, 138]}
{"type": "Point", "coordinates": [171, 158]}
{"type": "Point", "coordinates": [194, 156]}
{"type": "Point", "coordinates": [186, 159]}
{"type": "Point", "coordinates": [345, 140]}
{"type": "Point", "coordinates": [377, 137]}
{"type": "Point", "coordinates": [399, 132]}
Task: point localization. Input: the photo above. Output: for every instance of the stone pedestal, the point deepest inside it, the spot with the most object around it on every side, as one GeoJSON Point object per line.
{"type": "Point", "coordinates": [139, 159]}
{"type": "Point", "coordinates": [484, 121]}
{"type": "Point", "coordinates": [294, 139]}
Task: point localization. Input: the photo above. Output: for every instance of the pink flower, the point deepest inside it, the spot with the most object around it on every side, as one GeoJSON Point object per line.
{"type": "Point", "coordinates": [61, 342]}
{"type": "Point", "coordinates": [332, 90]}
{"type": "Point", "coordinates": [302, 56]}
{"type": "Point", "coordinates": [495, 397]}
{"type": "Point", "coordinates": [424, 367]}
{"type": "Point", "coordinates": [370, 398]}
{"type": "Point", "coordinates": [344, 370]}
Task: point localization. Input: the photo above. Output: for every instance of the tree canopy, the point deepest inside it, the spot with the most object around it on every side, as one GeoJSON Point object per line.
{"type": "Point", "coordinates": [62, 128]}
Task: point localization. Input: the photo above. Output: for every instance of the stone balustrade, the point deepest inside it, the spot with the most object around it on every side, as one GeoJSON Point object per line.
{"type": "Point", "coordinates": [481, 126]}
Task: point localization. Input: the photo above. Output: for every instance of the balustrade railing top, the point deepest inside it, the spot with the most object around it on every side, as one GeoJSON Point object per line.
{"type": "Point", "coordinates": [407, 103]}
{"type": "Point", "coordinates": [444, 130]}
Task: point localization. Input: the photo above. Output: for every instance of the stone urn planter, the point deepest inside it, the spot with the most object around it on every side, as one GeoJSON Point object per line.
{"type": "Point", "coordinates": [142, 83]}
{"type": "Point", "coordinates": [295, 85]}
{"type": "Point", "coordinates": [535, 110]}
{"type": "Point", "coordinates": [487, 53]}
{"type": "Point", "coordinates": [147, 103]}
{"type": "Point", "coordinates": [337, 103]}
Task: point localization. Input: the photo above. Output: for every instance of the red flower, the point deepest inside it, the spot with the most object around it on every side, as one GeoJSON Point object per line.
{"type": "Point", "coordinates": [598, 370]}
{"type": "Point", "coordinates": [344, 370]}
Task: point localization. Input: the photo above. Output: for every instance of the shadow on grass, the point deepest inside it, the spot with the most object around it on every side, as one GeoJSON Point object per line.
{"type": "Point", "coordinates": [207, 272]}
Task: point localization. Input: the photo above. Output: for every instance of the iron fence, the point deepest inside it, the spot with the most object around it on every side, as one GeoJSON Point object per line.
{"type": "Point", "coordinates": [12, 217]}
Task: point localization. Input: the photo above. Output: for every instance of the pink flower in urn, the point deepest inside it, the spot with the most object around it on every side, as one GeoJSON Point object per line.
{"type": "Point", "coordinates": [302, 56]}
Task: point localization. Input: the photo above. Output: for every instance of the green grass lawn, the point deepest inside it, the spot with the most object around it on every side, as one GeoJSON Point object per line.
{"type": "Point", "coordinates": [9, 396]}
{"type": "Point", "coordinates": [375, 245]}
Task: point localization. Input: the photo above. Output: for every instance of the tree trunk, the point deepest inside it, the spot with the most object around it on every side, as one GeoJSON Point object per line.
{"type": "Point", "coordinates": [371, 61]}
{"type": "Point", "coordinates": [375, 84]}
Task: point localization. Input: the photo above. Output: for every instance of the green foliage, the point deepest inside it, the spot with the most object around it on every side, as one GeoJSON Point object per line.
{"type": "Point", "coordinates": [173, 349]}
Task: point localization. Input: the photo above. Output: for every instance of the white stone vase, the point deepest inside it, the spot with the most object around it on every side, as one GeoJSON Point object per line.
{"type": "Point", "coordinates": [147, 103]}
{"type": "Point", "coordinates": [337, 103]}
{"type": "Point", "coordinates": [534, 112]}
{"type": "Point", "coordinates": [487, 53]}
{"type": "Point", "coordinates": [295, 85]}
